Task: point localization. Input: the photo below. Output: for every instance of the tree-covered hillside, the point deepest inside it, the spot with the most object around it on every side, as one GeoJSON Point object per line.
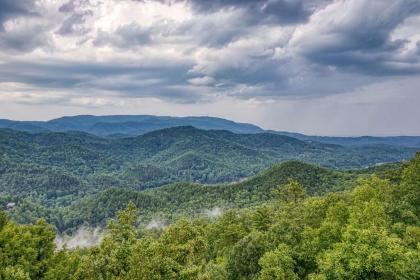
{"type": "Point", "coordinates": [370, 232]}
{"type": "Point", "coordinates": [165, 156]}
{"type": "Point", "coordinates": [48, 172]}
{"type": "Point", "coordinates": [173, 201]}
{"type": "Point", "coordinates": [188, 199]}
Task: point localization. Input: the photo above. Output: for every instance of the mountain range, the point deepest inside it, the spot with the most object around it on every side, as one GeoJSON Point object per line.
{"type": "Point", "coordinates": [126, 125]}
{"type": "Point", "coordinates": [59, 167]}
{"type": "Point", "coordinates": [176, 154]}
{"type": "Point", "coordinates": [62, 169]}
{"type": "Point", "coordinates": [118, 126]}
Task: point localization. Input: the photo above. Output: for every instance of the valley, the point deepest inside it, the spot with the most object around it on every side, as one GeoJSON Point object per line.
{"type": "Point", "coordinates": [76, 178]}
{"type": "Point", "coordinates": [218, 204]}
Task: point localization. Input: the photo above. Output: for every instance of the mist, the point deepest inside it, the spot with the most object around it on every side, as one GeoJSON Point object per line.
{"type": "Point", "coordinates": [156, 224]}
{"type": "Point", "coordinates": [84, 237]}
{"type": "Point", "coordinates": [213, 213]}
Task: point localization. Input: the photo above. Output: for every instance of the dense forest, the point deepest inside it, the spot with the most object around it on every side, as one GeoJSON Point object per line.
{"type": "Point", "coordinates": [369, 230]}
{"type": "Point", "coordinates": [185, 203]}
{"type": "Point", "coordinates": [65, 177]}
{"type": "Point", "coordinates": [76, 163]}
{"type": "Point", "coordinates": [177, 200]}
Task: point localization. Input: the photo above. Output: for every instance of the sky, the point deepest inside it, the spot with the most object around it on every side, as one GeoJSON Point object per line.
{"type": "Point", "coordinates": [324, 67]}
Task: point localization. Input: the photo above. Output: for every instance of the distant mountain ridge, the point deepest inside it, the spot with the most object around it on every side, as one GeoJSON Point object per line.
{"type": "Point", "coordinates": [405, 141]}
{"type": "Point", "coordinates": [120, 126]}
{"type": "Point", "coordinates": [126, 125]}
{"type": "Point", "coordinates": [175, 154]}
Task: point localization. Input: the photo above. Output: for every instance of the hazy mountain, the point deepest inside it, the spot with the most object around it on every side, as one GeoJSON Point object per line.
{"type": "Point", "coordinates": [75, 177]}
{"type": "Point", "coordinates": [407, 141]}
{"type": "Point", "coordinates": [126, 125]}
{"type": "Point", "coordinates": [120, 126]}
{"type": "Point", "coordinates": [73, 163]}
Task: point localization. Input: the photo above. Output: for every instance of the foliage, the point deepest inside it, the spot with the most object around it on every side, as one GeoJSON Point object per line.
{"type": "Point", "coordinates": [192, 200]}
{"type": "Point", "coordinates": [370, 232]}
{"type": "Point", "coordinates": [56, 175]}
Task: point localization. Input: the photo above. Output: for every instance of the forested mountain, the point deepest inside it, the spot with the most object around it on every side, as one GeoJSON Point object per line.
{"type": "Point", "coordinates": [67, 177]}
{"type": "Point", "coordinates": [369, 232]}
{"type": "Point", "coordinates": [166, 203]}
{"type": "Point", "coordinates": [75, 163]}
{"type": "Point", "coordinates": [120, 125]}
{"type": "Point", "coordinates": [291, 221]}
{"type": "Point", "coordinates": [189, 200]}
{"type": "Point", "coordinates": [189, 153]}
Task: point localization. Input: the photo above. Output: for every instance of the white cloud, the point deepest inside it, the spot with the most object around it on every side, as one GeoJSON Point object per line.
{"type": "Point", "coordinates": [202, 81]}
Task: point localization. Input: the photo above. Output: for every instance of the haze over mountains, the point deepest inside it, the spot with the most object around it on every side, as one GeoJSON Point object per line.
{"type": "Point", "coordinates": [183, 175]}
{"type": "Point", "coordinates": [126, 124]}
{"type": "Point", "coordinates": [133, 125]}
{"type": "Point", "coordinates": [53, 165]}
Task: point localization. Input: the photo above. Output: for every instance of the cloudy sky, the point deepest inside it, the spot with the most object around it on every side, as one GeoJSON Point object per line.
{"type": "Point", "coordinates": [345, 67]}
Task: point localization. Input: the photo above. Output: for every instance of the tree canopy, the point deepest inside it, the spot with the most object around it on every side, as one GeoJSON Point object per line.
{"type": "Point", "coordinates": [370, 232]}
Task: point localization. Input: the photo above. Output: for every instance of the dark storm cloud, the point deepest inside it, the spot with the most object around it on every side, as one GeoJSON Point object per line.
{"type": "Point", "coordinates": [245, 49]}
{"type": "Point", "coordinates": [208, 29]}
{"type": "Point", "coordinates": [78, 12]}
{"type": "Point", "coordinates": [22, 39]}
{"type": "Point", "coordinates": [89, 77]}
{"type": "Point", "coordinates": [284, 11]}
{"type": "Point", "coordinates": [275, 11]}
{"type": "Point", "coordinates": [73, 23]}
{"type": "Point", "coordinates": [126, 36]}
{"type": "Point", "coordinates": [15, 8]}
{"type": "Point", "coordinates": [194, 32]}
{"type": "Point", "coordinates": [361, 43]}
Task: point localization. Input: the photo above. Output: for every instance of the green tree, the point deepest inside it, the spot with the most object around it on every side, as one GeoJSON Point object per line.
{"type": "Point", "coordinates": [3, 220]}
{"type": "Point", "coordinates": [66, 265]}
{"type": "Point", "coordinates": [213, 271]}
{"type": "Point", "coordinates": [186, 244]}
{"type": "Point", "coordinates": [277, 265]}
{"type": "Point", "coordinates": [26, 250]}
{"type": "Point", "coordinates": [111, 259]}
{"type": "Point", "coordinates": [293, 192]}
{"type": "Point", "coordinates": [149, 261]}
{"type": "Point", "coordinates": [262, 217]}
{"type": "Point", "coordinates": [243, 260]}
{"type": "Point", "coordinates": [367, 254]}
{"type": "Point", "coordinates": [225, 232]}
